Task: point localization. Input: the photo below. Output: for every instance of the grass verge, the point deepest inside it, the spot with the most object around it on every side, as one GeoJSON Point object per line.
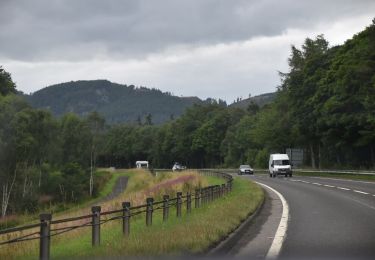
{"type": "Point", "coordinates": [192, 234]}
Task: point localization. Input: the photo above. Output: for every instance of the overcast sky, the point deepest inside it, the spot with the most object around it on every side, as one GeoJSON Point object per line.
{"type": "Point", "coordinates": [206, 48]}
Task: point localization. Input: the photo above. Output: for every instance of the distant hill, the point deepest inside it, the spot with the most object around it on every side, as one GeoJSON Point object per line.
{"type": "Point", "coordinates": [116, 102]}
{"type": "Point", "coordinates": [260, 100]}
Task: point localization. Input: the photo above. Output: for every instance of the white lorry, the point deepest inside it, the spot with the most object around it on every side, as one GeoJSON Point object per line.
{"type": "Point", "coordinates": [280, 164]}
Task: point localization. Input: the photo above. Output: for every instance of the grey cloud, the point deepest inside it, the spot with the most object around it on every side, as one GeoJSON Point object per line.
{"type": "Point", "coordinates": [80, 30]}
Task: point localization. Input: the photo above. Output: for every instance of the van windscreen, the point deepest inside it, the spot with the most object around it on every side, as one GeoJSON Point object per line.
{"type": "Point", "coordinates": [281, 162]}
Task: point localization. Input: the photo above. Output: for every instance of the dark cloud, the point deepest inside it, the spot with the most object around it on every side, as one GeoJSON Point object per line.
{"type": "Point", "coordinates": [80, 30]}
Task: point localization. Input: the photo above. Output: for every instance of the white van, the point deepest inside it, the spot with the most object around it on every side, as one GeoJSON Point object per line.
{"type": "Point", "coordinates": [280, 164]}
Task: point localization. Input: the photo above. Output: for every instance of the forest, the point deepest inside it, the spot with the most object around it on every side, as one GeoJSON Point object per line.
{"type": "Point", "coordinates": [325, 105]}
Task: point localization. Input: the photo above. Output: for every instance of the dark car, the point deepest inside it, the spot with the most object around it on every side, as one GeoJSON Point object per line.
{"type": "Point", "coordinates": [245, 169]}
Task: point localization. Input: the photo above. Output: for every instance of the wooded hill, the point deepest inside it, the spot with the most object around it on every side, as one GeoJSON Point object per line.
{"type": "Point", "coordinates": [121, 103]}
{"type": "Point", "coordinates": [259, 100]}
{"type": "Point", "coordinates": [117, 103]}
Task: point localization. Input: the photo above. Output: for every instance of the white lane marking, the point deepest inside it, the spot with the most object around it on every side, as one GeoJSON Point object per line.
{"type": "Point", "coordinates": [280, 234]}
{"type": "Point", "coordinates": [315, 183]}
{"type": "Point", "coordinates": [362, 192]}
{"type": "Point", "coordinates": [326, 185]}
{"type": "Point", "coordinates": [305, 181]}
{"type": "Point", "coordinates": [361, 203]}
{"type": "Point", "coordinates": [342, 188]}
{"type": "Point", "coordinates": [328, 178]}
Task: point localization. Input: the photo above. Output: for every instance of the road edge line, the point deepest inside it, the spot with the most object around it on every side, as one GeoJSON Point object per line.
{"type": "Point", "coordinates": [280, 234]}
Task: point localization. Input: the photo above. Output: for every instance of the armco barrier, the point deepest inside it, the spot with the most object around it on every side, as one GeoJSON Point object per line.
{"type": "Point", "coordinates": [47, 227]}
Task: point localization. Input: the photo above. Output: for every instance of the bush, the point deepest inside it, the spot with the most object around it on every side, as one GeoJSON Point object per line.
{"type": "Point", "coordinates": [261, 159]}
{"type": "Point", "coordinates": [100, 179]}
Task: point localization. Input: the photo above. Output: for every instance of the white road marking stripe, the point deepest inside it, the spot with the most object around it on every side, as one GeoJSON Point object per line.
{"type": "Point", "coordinates": [362, 192]}
{"type": "Point", "coordinates": [315, 183]}
{"type": "Point", "coordinates": [335, 179]}
{"type": "Point", "coordinates": [329, 186]}
{"type": "Point", "coordinates": [280, 234]}
{"type": "Point", "coordinates": [305, 181]}
{"type": "Point", "coordinates": [341, 188]}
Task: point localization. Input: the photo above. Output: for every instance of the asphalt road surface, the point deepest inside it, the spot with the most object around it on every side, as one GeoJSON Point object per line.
{"type": "Point", "coordinates": [118, 188]}
{"type": "Point", "coordinates": [328, 219]}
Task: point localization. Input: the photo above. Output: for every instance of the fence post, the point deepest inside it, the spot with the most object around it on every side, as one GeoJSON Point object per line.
{"type": "Point", "coordinates": [201, 195]}
{"type": "Point", "coordinates": [149, 211]}
{"type": "Point", "coordinates": [188, 202]}
{"type": "Point", "coordinates": [197, 197]}
{"type": "Point", "coordinates": [165, 207]}
{"type": "Point", "coordinates": [126, 218]}
{"type": "Point", "coordinates": [45, 239]}
{"type": "Point", "coordinates": [222, 189]}
{"type": "Point", "coordinates": [179, 202]}
{"type": "Point", "coordinates": [95, 225]}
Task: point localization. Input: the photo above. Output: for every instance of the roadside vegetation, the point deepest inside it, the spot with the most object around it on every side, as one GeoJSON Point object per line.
{"type": "Point", "coordinates": [192, 234]}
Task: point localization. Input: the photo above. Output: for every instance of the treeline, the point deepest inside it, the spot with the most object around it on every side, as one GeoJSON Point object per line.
{"type": "Point", "coordinates": [43, 159]}
{"type": "Point", "coordinates": [325, 105]}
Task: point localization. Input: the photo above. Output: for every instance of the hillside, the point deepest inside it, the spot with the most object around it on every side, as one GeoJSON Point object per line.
{"type": "Point", "coordinates": [260, 100]}
{"type": "Point", "coordinates": [117, 103]}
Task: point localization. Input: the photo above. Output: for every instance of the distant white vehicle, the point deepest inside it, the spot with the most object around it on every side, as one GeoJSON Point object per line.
{"type": "Point", "coordinates": [245, 169]}
{"type": "Point", "coordinates": [280, 164]}
{"type": "Point", "coordinates": [178, 167]}
{"type": "Point", "coordinates": [141, 164]}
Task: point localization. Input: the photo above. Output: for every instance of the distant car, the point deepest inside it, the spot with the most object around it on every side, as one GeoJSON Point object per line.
{"type": "Point", "coordinates": [178, 167]}
{"type": "Point", "coordinates": [245, 169]}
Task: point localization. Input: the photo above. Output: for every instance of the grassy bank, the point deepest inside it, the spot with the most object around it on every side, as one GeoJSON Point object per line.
{"type": "Point", "coordinates": [337, 175]}
{"type": "Point", "coordinates": [193, 233]}
{"type": "Point", "coordinates": [141, 184]}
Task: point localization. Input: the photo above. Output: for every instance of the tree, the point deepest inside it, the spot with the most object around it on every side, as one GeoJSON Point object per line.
{"type": "Point", "coordinates": [148, 119]}
{"type": "Point", "coordinates": [7, 86]}
{"type": "Point", "coordinates": [75, 140]}
{"type": "Point", "coordinates": [307, 68]}
{"type": "Point", "coordinates": [96, 125]}
{"type": "Point", "coordinates": [252, 108]}
{"type": "Point", "coordinates": [10, 105]}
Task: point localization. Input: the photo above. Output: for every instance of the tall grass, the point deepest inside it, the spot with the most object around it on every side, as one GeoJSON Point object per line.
{"type": "Point", "coordinates": [141, 184]}
{"type": "Point", "coordinates": [192, 234]}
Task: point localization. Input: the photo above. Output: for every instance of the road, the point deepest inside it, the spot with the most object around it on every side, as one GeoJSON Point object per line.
{"type": "Point", "coordinates": [118, 188]}
{"type": "Point", "coordinates": [328, 219]}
